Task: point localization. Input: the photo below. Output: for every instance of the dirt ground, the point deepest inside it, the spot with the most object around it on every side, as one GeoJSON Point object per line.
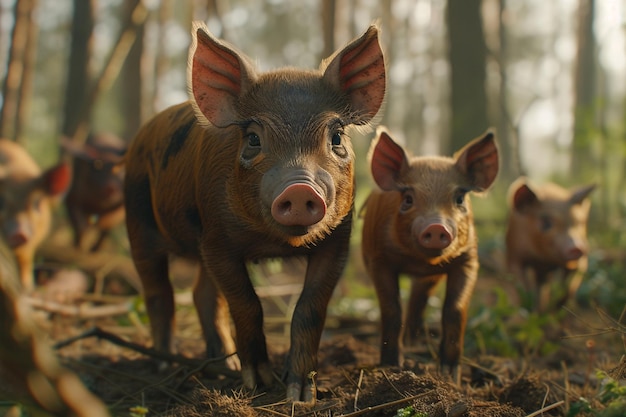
{"type": "Point", "coordinates": [348, 381]}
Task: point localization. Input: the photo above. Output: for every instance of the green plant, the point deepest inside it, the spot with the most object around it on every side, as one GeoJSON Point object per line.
{"type": "Point", "coordinates": [138, 411]}
{"type": "Point", "coordinates": [610, 401]}
{"type": "Point", "coordinates": [409, 412]}
{"type": "Point", "coordinates": [508, 330]}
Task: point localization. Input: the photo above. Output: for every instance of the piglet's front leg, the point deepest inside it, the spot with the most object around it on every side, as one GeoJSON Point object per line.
{"type": "Point", "coordinates": [459, 288]}
{"type": "Point", "coordinates": [325, 265]}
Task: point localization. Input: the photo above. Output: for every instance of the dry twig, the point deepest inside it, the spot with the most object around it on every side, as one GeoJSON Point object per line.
{"type": "Point", "coordinates": [208, 365]}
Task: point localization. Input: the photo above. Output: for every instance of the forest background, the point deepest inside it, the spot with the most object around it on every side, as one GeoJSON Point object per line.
{"type": "Point", "coordinates": [549, 76]}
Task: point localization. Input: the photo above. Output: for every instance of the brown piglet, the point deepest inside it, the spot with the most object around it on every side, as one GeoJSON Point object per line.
{"type": "Point", "coordinates": [26, 197]}
{"type": "Point", "coordinates": [256, 165]}
{"type": "Point", "coordinates": [96, 197]}
{"type": "Point", "coordinates": [547, 235]}
{"type": "Point", "coordinates": [420, 223]}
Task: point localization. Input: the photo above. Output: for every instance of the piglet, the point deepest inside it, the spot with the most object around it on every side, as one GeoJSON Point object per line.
{"type": "Point", "coordinates": [547, 235]}
{"type": "Point", "coordinates": [256, 165]}
{"type": "Point", "coordinates": [96, 197]}
{"type": "Point", "coordinates": [420, 223]}
{"type": "Point", "coordinates": [26, 197]}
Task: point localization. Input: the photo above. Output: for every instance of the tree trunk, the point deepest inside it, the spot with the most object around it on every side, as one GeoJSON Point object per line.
{"type": "Point", "coordinates": [584, 92]}
{"type": "Point", "coordinates": [26, 87]}
{"type": "Point", "coordinates": [509, 143]}
{"type": "Point", "coordinates": [467, 54]}
{"type": "Point", "coordinates": [328, 26]}
{"type": "Point", "coordinates": [130, 99]}
{"type": "Point", "coordinates": [18, 55]}
{"type": "Point", "coordinates": [78, 75]}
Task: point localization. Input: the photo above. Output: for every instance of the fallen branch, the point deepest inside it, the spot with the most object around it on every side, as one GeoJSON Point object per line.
{"type": "Point", "coordinates": [80, 311]}
{"type": "Point", "coordinates": [207, 365]}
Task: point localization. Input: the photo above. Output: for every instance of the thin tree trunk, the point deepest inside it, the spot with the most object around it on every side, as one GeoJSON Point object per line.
{"type": "Point", "coordinates": [15, 71]}
{"type": "Point", "coordinates": [26, 87]}
{"type": "Point", "coordinates": [130, 100]}
{"type": "Point", "coordinates": [467, 54]}
{"type": "Point", "coordinates": [78, 73]}
{"type": "Point", "coordinates": [329, 8]}
{"type": "Point", "coordinates": [162, 61]}
{"type": "Point", "coordinates": [509, 143]}
{"type": "Point", "coordinates": [113, 66]}
{"type": "Point", "coordinates": [584, 91]}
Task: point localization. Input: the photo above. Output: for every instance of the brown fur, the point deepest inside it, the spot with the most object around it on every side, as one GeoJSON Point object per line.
{"type": "Point", "coordinates": [419, 192]}
{"type": "Point", "coordinates": [203, 179]}
{"type": "Point", "coordinates": [26, 195]}
{"type": "Point", "coordinates": [547, 235]}
{"type": "Point", "coordinates": [96, 197]}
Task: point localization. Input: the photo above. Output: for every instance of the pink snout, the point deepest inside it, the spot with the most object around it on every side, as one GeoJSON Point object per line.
{"type": "Point", "coordinates": [298, 205]}
{"type": "Point", "coordinates": [574, 253]}
{"type": "Point", "coordinates": [436, 236]}
{"type": "Point", "coordinates": [17, 239]}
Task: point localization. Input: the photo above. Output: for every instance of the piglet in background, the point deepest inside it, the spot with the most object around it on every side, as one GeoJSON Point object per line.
{"type": "Point", "coordinates": [420, 223]}
{"type": "Point", "coordinates": [96, 197]}
{"type": "Point", "coordinates": [26, 197]}
{"type": "Point", "coordinates": [547, 235]}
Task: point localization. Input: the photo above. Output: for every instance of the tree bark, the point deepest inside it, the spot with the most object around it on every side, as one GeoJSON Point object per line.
{"type": "Point", "coordinates": [584, 91]}
{"type": "Point", "coordinates": [13, 87]}
{"type": "Point", "coordinates": [467, 54]}
{"type": "Point", "coordinates": [130, 100]}
{"type": "Point", "coordinates": [329, 8]}
{"type": "Point", "coordinates": [78, 74]}
{"type": "Point", "coordinates": [28, 77]}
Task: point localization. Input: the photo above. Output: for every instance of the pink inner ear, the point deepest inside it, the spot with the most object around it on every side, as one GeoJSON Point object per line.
{"type": "Point", "coordinates": [523, 197]}
{"type": "Point", "coordinates": [58, 179]}
{"type": "Point", "coordinates": [388, 159]}
{"type": "Point", "coordinates": [362, 73]}
{"type": "Point", "coordinates": [479, 159]}
{"type": "Point", "coordinates": [216, 75]}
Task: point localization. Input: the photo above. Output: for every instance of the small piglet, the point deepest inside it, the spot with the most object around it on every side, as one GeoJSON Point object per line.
{"type": "Point", "coordinates": [96, 197]}
{"type": "Point", "coordinates": [420, 223]}
{"type": "Point", "coordinates": [26, 196]}
{"type": "Point", "coordinates": [547, 234]}
{"type": "Point", "coordinates": [256, 165]}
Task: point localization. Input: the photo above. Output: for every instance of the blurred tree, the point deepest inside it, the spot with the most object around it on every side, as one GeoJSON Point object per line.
{"type": "Point", "coordinates": [78, 73]}
{"type": "Point", "coordinates": [162, 60]}
{"type": "Point", "coordinates": [509, 143]}
{"type": "Point", "coordinates": [467, 54]}
{"type": "Point", "coordinates": [584, 90]}
{"type": "Point", "coordinates": [17, 83]}
{"type": "Point", "coordinates": [328, 27]}
{"type": "Point", "coordinates": [130, 100]}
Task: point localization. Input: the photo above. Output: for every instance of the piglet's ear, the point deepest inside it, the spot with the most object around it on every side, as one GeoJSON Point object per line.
{"type": "Point", "coordinates": [581, 193]}
{"type": "Point", "coordinates": [359, 71]}
{"type": "Point", "coordinates": [217, 75]}
{"type": "Point", "coordinates": [521, 196]}
{"type": "Point", "coordinates": [388, 161]}
{"type": "Point", "coordinates": [56, 180]}
{"type": "Point", "coordinates": [479, 161]}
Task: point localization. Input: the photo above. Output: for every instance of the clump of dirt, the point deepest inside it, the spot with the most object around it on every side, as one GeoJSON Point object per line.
{"type": "Point", "coordinates": [204, 402]}
{"type": "Point", "coordinates": [531, 393]}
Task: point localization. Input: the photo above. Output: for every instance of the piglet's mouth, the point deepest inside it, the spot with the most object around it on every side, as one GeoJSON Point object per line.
{"type": "Point", "coordinates": [295, 231]}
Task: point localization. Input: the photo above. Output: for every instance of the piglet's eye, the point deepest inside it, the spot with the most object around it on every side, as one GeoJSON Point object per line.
{"type": "Point", "coordinates": [459, 197]}
{"type": "Point", "coordinates": [407, 202]}
{"type": "Point", "coordinates": [253, 139]}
